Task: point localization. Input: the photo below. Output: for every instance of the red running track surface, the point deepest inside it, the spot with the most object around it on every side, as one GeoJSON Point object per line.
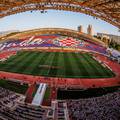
{"type": "Point", "coordinates": [71, 82]}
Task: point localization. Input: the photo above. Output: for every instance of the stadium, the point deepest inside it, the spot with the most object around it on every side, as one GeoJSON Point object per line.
{"type": "Point", "coordinates": [59, 73]}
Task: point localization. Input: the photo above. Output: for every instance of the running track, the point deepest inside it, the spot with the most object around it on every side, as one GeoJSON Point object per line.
{"type": "Point", "coordinates": [70, 82]}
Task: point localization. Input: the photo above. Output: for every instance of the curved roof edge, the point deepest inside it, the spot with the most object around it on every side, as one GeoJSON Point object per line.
{"type": "Point", "coordinates": [107, 10]}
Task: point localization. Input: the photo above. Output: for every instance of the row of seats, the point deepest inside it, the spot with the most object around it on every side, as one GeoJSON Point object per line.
{"type": "Point", "coordinates": [106, 107]}
{"type": "Point", "coordinates": [24, 112]}
{"type": "Point", "coordinates": [8, 98]}
{"type": "Point", "coordinates": [52, 41]}
{"type": "Point", "coordinates": [12, 107]}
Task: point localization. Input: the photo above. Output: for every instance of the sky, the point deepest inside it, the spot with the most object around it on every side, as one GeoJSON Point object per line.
{"type": "Point", "coordinates": [57, 19]}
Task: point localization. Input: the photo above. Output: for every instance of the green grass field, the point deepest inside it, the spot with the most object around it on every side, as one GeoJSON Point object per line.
{"type": "Point", "coordinates": [67, 65]}
{"type": "Point", "coordinates": [47, 94]}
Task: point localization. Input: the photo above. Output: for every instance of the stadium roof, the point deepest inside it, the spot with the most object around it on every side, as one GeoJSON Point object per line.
{"type": "Point", "coordinates": [107, 10]}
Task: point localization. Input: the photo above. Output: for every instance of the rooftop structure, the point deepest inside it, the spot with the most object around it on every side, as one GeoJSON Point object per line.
{"type": "Point", "coordinates": [107, 10]}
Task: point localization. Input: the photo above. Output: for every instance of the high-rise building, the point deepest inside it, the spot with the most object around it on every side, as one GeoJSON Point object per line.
{"type": "Point", "coordinates": [80, 28]}
{"type": "Point", "coordinates": [90, 30]}
{"type": "Point", "coordinates": [113, 38]}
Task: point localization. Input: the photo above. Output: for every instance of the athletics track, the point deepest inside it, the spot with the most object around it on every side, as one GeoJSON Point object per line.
{"type": "Point", "coordinates": [70, 82]}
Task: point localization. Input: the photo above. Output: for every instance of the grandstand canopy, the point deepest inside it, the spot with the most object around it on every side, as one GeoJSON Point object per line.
{"type": "Point", "coordinates": [107, 10]}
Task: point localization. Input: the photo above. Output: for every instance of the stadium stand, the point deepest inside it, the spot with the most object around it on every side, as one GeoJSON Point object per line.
{"type": "Point", "coordinates": [24, 112]}
{"type": "Point", "coordinates": [106, 107]}
{"type": "Point", "coordinates": [8, 98]}
{"type": "Point", "coordinates": [52, 41]}
{"type": "Point", "coordinates": [12, 107]}
{"type": "Point", "coordinates": [5, 55]}
{"type": "Point", "coordinates": [114, 55]}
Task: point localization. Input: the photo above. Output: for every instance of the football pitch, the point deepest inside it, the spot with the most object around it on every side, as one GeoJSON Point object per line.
{"type": "Point", "coordinates": [56, 64]}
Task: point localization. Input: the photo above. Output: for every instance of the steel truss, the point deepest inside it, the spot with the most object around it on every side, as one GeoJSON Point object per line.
{"type": "Point", "coordinates": [107, 10]}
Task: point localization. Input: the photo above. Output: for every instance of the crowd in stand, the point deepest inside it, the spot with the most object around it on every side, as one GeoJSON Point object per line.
{"type": "Point", "coordinates": [8, 98]}
{"type": "Point", "coordinates": [12, 107]}
{"type": "Point", "coordinates": [106, 107]}
{"type": "Point", "coordinates": [25, 112]}
{"type": "Point", "coordinates": [51, 41]}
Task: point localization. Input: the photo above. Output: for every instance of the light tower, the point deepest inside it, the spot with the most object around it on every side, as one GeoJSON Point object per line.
{"type": "Point", "coordinates": [90, 30]}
